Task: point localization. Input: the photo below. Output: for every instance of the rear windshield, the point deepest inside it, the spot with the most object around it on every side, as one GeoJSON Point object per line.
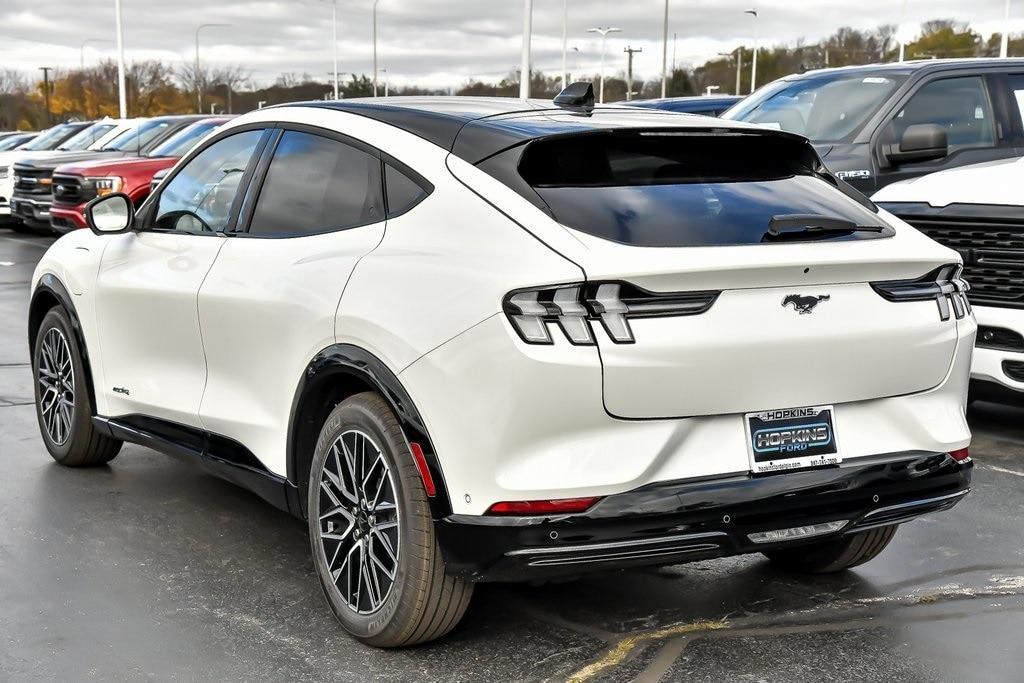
{"type": "Point", "coordinates": [656, 189]}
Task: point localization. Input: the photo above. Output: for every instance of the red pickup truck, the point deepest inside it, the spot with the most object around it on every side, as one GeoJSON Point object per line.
{"type": "Point", "coordinates": [76, 184]}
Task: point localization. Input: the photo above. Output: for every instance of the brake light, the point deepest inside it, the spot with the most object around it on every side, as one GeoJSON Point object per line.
{"type": "Point", "coordinates": [945, 285]}
{"type": "Point", "coordinates": [574, 307]}
{"type": "Point", "coordinates": [960, 454]}
{"type": "Point", "coordinates": [562, 506]}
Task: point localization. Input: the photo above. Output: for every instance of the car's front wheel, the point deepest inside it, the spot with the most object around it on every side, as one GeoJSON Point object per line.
{"type": "Point", "coordinates": [63, 406]}
{"type": "Point", "coordinates": [372, 534]}
{"type": "Point", "coordinates": [836, 555]}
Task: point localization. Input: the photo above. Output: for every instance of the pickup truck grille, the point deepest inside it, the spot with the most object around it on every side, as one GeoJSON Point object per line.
{"type": "Point", "coordinates": [69, 189]}
{"type": "Point", "coordinates": [29, 181]}
{"type": "Point", "coordinates": [993, 253]}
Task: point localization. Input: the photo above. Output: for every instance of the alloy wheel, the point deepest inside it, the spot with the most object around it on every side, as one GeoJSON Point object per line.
{"type": "Point", "coordinates": [359, 532]}
{"type": "Point", "coordinates": [56, 377]}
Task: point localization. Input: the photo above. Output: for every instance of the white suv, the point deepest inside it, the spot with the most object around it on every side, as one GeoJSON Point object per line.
{"type": "Point", "coordinates": [484, 339]}
{"type": "Point", "coordinates": [978, 210]}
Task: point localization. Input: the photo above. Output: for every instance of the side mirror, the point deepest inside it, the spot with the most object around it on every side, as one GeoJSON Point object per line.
{"type": "Point", "coordinates": [920, 142]}
{"type": "Point", "coordinates": [110, 214]}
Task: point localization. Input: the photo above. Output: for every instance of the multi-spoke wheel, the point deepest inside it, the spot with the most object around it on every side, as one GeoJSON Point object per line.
{"type": "Point", "coordinates": [372, 533]}
{"type": "Point", "coordinates": [56, 377]}
{"type": "Point", "coordinates": [359, 521]}
{"type": "Point", "coordinates": [63, 405]}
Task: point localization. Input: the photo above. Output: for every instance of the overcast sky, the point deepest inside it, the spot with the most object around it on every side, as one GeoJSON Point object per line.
{"type": "Point", "coordinates": [439, 43]}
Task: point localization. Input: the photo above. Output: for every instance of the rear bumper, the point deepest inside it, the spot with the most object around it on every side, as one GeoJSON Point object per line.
{"type": "Point", "coordinates": [674, 522]}
{"type": "Point", "coordinates": [66, 217]}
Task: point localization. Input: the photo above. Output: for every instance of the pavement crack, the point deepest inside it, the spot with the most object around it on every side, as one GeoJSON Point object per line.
{"type": "Point", "coordinates": [618, 654]}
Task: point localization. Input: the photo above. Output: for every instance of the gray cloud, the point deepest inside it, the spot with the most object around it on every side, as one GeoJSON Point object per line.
{"type": "Point", "coordinates": [439, 43]}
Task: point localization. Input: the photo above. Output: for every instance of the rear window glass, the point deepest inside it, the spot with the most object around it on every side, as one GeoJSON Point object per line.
{"type": "Point", "coordinates": [656, 189]}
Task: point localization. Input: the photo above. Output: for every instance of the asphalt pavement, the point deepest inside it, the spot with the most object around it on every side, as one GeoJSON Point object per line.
{"type": "Point", "coordinates": [149, 568]}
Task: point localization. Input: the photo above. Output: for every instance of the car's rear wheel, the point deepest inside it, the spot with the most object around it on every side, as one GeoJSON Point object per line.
{"type": "Point", "coordinates": [372, 534]}
{"type": "Point", "coordinates": [63, 407]}
{"type": "Point", "coordinates": [836, 555]}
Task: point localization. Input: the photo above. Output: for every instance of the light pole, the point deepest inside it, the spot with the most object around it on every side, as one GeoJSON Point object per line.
{"type": "Point", "coordinates": [122, 95]}
{"type": "Point", "coordinates": [903, 16]}
{"type": "Point", "coordinates": [199, 78]}
{"type": "Point", "coordinates": [46, 92]}
{"type": "Point", "coordinates": [524, 66]}
{"type": "Point", "coordinates": [85, 42]}
{"type": "Point", "coordinates": [334, 42]}
{"type": "Point", "coordinates": [565, 43]}
{"type": "Point", "coordinates": [374, 50]}
{"type": "Point", "coordinates": [604, 31]}
{"type": "Point", "coordinates": [738, 53]}
{"type": "Point", "coordinates": [753, 65]}
{"type": "Point", "coordinates": [1004, 45]}
{"type": "Point", "coordinates": [576, 61]}
{"type": "Point", "coordinates": [385, 71]}
{"type": "Point", "coordinates": [664, 53]}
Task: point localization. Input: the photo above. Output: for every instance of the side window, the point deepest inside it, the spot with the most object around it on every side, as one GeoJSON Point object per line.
{"type": "Point", "coordinates": [960, 105]}
{"type": "Point", "coordinates": [403, 192]}
{"type": "Point", "coordinates": [1017, 88]}
{"type": "Point", "coordinates": [200, 196]}
{"type": "Point", "coordinates": [316, 184]}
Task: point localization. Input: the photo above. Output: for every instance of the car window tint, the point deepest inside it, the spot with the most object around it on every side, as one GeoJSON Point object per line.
{"type": "Point", "coordinates": [960, 105]}
{"type": "Point", "coordinates": [316, 184]}
{"type": "Point", "coordinates": [403, 192]}
{"type": "Point", "coordinates": [200, 196]}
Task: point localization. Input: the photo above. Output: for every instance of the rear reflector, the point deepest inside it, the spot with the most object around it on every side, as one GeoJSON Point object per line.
{"type": "Point", "coordinates": [542, 507]}
{"type": "Point", "coordinates": [960, 454]}
{"type": "Point", "coordinates": [421, 465]}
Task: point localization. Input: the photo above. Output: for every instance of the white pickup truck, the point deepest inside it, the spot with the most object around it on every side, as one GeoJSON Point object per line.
{"type": "Point", "coordinates": [979, 211]}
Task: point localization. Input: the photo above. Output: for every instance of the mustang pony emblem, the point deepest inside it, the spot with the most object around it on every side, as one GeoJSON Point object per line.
{"type": "Point", "coordinates": [804, 304]}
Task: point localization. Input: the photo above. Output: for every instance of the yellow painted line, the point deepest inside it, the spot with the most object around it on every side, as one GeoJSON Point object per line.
{"type": "Point", "coordinates": [624, 647]}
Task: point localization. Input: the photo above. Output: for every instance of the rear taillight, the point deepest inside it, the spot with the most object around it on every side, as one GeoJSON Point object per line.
{"type": "Point", "coordinates": [944, 285]}
{"type": "Point", "coordinates": [574, 307]}
{"type": "Point", "coordinates": [562, 506]}
{"type": "Point", "coordinates": [960, 454]}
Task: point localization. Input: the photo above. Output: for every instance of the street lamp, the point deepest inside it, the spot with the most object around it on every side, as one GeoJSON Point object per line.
{"type": "Point", "coordinates": [565, 42]}
{"type": "Point", "coordinates": [664, 53]}
{"type": "Point", "coordinates": [1004, 44]}
{"type": "Point", "coordinates": [199, 83]}
{"type": "Point", "coordinates": [604, 31]}
{"type": "Point", "coordinates": [524, 67]}
{"type": "Point", "coordinates": [753, 66]}
{"type": "Point", "coordinates": [85, 42]}
{"type": "Point", "coordinates": [375, 69]}
{"type": "Point", "coordinates": [739, 64]}
{"type": "Point", "coordinates": [122, 95]}
{"type": "Point", "coordinates": [334, 35]}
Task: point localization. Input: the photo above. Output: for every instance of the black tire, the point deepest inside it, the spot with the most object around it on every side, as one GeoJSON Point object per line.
{"type": "Point", "coordinates": [827, 557]}
{"type": "Point", "coordinates": [77, 443]}
{"type": "Point", "coordinates": [422, 602]}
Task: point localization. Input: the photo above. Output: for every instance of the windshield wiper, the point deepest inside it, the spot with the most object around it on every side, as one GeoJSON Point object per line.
{"type": "Point", "coordinates": [798, 227]}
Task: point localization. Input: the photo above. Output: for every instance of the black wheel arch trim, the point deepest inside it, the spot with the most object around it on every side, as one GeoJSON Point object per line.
{"type": "Point", "coordinates": [50, 286]}
{"type": "Point", "coordinates": [340, 360]}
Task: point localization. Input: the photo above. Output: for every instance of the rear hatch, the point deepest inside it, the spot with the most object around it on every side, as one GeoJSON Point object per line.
{"type": "Point", "coordinates": [726, 274]}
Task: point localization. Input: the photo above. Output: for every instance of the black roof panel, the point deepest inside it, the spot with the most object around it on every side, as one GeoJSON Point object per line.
{"type": "Point", "coordinates": [474, 128]}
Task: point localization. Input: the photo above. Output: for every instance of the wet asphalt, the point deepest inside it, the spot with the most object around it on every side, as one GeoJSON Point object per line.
{"type": "Point", "coordinates": [149, 568]}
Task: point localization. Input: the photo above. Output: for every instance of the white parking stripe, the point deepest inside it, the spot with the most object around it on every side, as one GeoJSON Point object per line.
{"type": "Point", "coordinates": [1003, 470]}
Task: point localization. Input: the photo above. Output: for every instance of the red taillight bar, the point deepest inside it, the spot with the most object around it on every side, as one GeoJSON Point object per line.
{"type": "Point", "coordinates": [421, 465]}
{"type": "Point", "coordinates": [960, 454]}
{"type": "Point", "coordinates": [543, 507]}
